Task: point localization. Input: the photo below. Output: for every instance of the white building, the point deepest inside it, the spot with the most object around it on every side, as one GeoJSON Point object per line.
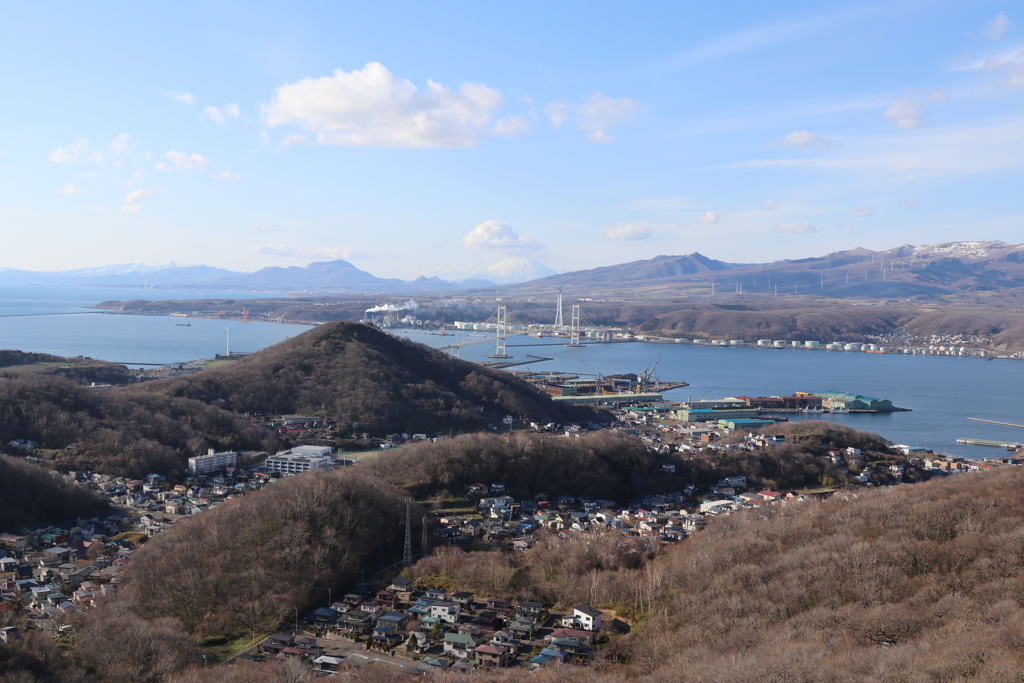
{"type": "Point", "coordinates": [583, 617]}
{"type": "Point", "coordinates": [212, 462]}
{"type": "Point", "coordinates": [300, 459]}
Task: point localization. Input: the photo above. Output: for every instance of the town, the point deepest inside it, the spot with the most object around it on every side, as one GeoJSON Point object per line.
{"type": "Point", "coordinates": [47, 575]}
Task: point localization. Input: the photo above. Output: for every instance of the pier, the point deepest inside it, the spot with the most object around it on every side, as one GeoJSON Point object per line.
{"type": "Point", "coordinates": [1009, 445]}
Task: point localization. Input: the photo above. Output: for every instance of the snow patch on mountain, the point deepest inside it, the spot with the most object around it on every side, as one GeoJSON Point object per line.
{"type": "Point", "coordinates": [514, 270]}
{"type": "Point", "coordinates": [966, 249]}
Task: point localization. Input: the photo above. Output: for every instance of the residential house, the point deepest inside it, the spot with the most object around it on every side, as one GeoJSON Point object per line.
{"type": "Point", "coordinates": [584, 617]}
{"type": "Point", "coordinates": [397, 619]}
{"type": "Point", "coordinates": [463, 599]}
{"type": "Point", "coordinates": [447, 612]}
{"type": "Point", "coordinates": [458, 645]}
{"type": "Point", "coordinates": [491, 655]}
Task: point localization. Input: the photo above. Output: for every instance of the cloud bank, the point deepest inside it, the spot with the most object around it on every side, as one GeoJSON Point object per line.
{"type": "Point", "coordinates": [370, 107]}
{"type": "Point", "coordinates": [629, 232]}
{"type": "Point", "coordinates": [500, 236]}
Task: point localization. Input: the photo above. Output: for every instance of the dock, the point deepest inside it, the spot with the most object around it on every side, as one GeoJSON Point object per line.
{"type": "Point", "coordinates": [609, 399]}
{"type": "Point", "coordinates": [1009, 445]}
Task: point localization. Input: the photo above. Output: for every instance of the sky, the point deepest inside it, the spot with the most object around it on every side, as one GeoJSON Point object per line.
{"type": "Point", "coordinates": [439, 138]}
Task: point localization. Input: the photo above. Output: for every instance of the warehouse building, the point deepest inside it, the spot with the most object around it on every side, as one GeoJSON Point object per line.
{"type": "Point", "coordinates": [834, 400]}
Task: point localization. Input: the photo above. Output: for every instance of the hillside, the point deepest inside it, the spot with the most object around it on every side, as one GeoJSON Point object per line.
{"type": "Point", "coordinates": [354, 373]}
{"type": "Point", "coordinates": [123, 430]}
{"type": "Point", "coordinates": [81, 370]}
{"type": "Point", "coordinates": [34, 498]}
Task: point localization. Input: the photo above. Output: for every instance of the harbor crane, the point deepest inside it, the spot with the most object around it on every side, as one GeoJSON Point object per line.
{"type": "Point", "coordinates": [645, 376]}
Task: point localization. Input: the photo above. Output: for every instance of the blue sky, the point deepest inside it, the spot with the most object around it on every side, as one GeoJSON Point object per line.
{"type": "Point", "coordinates": [437, 140]}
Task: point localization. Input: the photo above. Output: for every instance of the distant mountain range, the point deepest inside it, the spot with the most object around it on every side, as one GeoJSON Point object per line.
{"type": "Point", "coordinates": [902, 272]}
{"type": "Point", "coordinates": [905, 271]}
{"type": "Point", "coordinates": [322, 275]}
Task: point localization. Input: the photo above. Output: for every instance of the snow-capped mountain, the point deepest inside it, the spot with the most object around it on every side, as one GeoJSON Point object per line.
{"type": "Point", "coordinates": [514, 270]}
{"type": "Point", "coordinates": [958, 249]}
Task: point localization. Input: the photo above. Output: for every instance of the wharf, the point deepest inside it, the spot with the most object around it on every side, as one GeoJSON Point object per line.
{"type": "Point", "coordinates": [991, 442]}
{"type": "Point", "coordinates": [613, 399]}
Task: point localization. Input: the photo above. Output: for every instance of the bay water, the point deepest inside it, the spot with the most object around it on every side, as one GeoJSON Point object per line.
{"type": "Point", "coordinates": [58, 320]}
{"type": "Point", "coordinates": [941, 391]}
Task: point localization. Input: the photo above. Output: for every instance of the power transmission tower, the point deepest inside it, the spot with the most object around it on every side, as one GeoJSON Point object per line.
{"type": "Point", "coordinates": [559, 324]}
{"type": "Point", "coordinates": [407, 560]}
{"type": "Point", "coordinates": [499, 340]}
{"type": "Point", "coordinates": [424, 540]}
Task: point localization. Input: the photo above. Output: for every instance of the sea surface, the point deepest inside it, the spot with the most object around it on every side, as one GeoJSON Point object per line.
{"type": "Point", "coordinates": [58, 320]}
{"type": "Point", "coordinates": [941, 391]}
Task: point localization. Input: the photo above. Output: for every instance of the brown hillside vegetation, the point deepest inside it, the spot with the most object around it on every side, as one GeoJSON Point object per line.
{"type": "Point", "coordinates": [601, 465]}
{"type": "Point", "coordinates": [250, 563]}
{"type": "Point", "coordinates": [915, 583]}
{"type": "Point", "coordinates": [32, 497]}
{"type": "Point", "coordinates": [355, 373]}
{"type": "Point", "coordinates": [122, 431]}
{"type": "Point", "coordinates": [918, 583]}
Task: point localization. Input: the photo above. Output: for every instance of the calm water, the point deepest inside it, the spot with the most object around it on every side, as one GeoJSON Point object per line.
{"type": "Point", "coordinates": [57, 320]}
{"type": "Point", "coordinates": [941, 391]}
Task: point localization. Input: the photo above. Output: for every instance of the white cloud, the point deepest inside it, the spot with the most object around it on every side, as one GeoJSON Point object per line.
{"type": "Point", "coordinates": [1011, 62]}
{"type": "Point", "coordinates": [179, 97]}
{"type": "Point", "coordinates": [184, 162]}
{"type": "Point", "coordinates": [629, 232]}
{"type": "Point", "coordinates": [82, 151]}
{"type": "Point", "coordinates": [985, 146]}
{"type": "Point", "coordinates": [905, 113]}
{"type": "Point", "coordinates": [804, 139]}
{"type": "Point", "coordinates": [909, 204]}
{"type": "Point", "coordinates": [271, 249]}
{"type": "Point", "coordinates": [511, 126]}
{"type": "Point", "coordinates": [801, 228]}
{"type": "Point", "coordinates": [598, 112]}
{"type": "Point", "coordinates": [70, 188]}
{"type": "Point", "coordinates": [594, 115]}
{"type": "Point", "coordinates": [227, 175]}
{"type": "Point", "coordinates": [333, 253]}
{"type": "Point", "coordinates": [131, 199]}
{"type": "Point", "coordinates": [863, 212]}
{"type": "Point", "coordinates": [770, 205]}
{"type": "Point", "coordinates": [709, 218]}
{"type": "Point", "coordinates": [498, 235]}
{"type": "Point", "coordinates": [995, 28]}
{"type": "Point", "coordinates": [221, 115]}
{"type": "Point", "coordinates": [557, 113]}
{"type": "Point", "coordinates": [70, 154]}
{"type": "Point", "coordinates": [370, 107]}
{"type": "Point", "coordinates": [294, 139]}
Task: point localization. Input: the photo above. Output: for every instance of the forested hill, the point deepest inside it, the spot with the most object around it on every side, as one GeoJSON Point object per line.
{"type": "Point", "coordinates": [33, 497]}
{"type": "Point", "coordinates": [355, 373]}
{"type": "Point", "coordinates": [122, 431]}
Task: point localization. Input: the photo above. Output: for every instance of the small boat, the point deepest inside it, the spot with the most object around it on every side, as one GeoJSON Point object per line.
{"type": "Point", "coordinates": [183, 324]}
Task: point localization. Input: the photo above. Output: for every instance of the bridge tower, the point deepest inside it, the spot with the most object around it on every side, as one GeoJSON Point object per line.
{"type": "Point", "coordinates": [502, 331]}
{"type": "Point", "coordinates": [574, 330]}
{"type": "Point", "coordinates": [559, 323]}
